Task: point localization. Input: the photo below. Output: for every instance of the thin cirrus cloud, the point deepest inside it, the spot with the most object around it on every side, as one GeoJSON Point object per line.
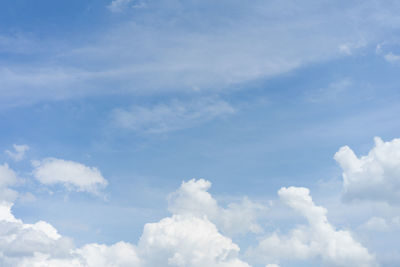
{"type": "Point", "coordinates": [374, 176]}
{"type": "Point", "coordinates": [172, 116]}
{"type": "Point", "coordinates": [200, 48]}
{"type": "Point", "coordinates": [73, 175]}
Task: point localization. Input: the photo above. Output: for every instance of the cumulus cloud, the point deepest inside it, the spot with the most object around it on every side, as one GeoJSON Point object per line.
{"type": "Point", "coordinates": [317, 240]}
{"type": "Point", "coordinates": [375, 176]}
{"type": "Point", "coordinates": [193, 199]}
{"type": "Point", "coordinates": [73, 175]}
{"type": "Point", "coordinates": [187, 241]}
{"type": "Point", "coordinates": [172, 116]}
{"type": "Point", "coordinates": [179, 240]}
{"type": "Point", "coordinates": [19, 152]}
{"type": "Point", "coordinates": [19, 241]}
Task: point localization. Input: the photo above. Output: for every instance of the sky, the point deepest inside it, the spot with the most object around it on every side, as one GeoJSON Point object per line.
{"type": "Point", "coordinates": [149, 133]}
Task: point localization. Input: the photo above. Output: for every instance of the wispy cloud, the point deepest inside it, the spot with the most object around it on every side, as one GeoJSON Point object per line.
{"type": "Point", "coordinates": [19, 152]}
{"type": "Point", "coordinates": [171, 116]}
{"type": "Point", "coordinates": [167, 49]}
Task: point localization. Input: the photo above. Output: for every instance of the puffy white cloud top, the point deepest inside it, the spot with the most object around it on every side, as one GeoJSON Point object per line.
{"type": "Point", "coordinates": [197, 233]}
{"type": "Point", "coordinates": [375, 176]}
{"type": "Point", "coordinates": [317, 240]}
{"type": "Point", "coordinates": [73, 175]}
{"type": "Point", "coordinates": [179, 240]}
{"type": "Point", "coordinates": [192, 198]}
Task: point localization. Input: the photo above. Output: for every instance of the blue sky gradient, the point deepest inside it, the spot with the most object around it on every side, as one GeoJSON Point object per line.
{"type": "Point", "coordinates": [252, 96]}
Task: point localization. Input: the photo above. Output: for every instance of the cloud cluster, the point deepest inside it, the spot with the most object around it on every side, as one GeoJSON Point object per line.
{"type": "Point", "coordinates": [192, 236]}
{"type": "Point", "coordinates": [179, 240]}
{"type": "Point", "coordinates": [72, 175]}
{"type": "Point", "coordinates": [317, 240]}
{"type": "Point", "coordinates": [199, 231]}
{"type": "Point", "coordinates": [375, 176]}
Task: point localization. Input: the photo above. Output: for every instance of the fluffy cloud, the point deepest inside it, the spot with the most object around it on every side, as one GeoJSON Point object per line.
{"type": "Point", "coordinates": [73, 175]}
{"type": "Point", "coordinates": [187, 241]}
{"type": "Point", "coordinates": [172, 116]}
{"type": "Point", "coordinates": [193, 199]}
{"type": "Point", "coordinates": [317, 240]}
{"type": "Point", "coordinates": [179, 240]}
{"type": "Point", "coordinates": [19, 153]}
{"type": "Point", "coordinates": [375, 176]}
{"type": "Point", "coordinates": [19, 241]}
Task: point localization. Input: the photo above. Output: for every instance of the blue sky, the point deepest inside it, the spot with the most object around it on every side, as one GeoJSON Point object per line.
{"type": "Point", "coordinates": [250, 96]}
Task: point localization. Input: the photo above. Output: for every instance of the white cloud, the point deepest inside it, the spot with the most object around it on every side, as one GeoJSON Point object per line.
{"type": "Point", "coordinates": [375, 176]}
{"type": "Point", "coordinates": [317, 240]}
{"type": "Point", "coordinates": [19, 153]}
{"type": "Point", "coordinates": [179, 240]}
{"type": "Point", "coordinates": [173, 116]}
{"type": "Point", "coordinates": [187, 241]}
{"type": "Point", "coordinates": [193, 199]}
{"type": "Point", "coordinates": [72, 175]}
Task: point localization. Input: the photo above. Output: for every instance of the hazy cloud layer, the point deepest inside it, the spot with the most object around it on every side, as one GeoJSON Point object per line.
{"type": "Point", "coordinates": [185, 46]}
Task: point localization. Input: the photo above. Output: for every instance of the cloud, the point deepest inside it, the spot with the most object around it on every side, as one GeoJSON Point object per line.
{"type": "Point", "coordinates": [176, 47]}
{"type": "Point", "coordinates": [73, 175]}
{"type": "Point", "coordinates": [392, 58]}
{"type": "Point", "coordinates": [193, 199]}
{"type": "Point", "coordinates": [379, 224]}
{"type": "Point", "coordinates": [19, 153]}
{"type": "Point", "coordinates": [172, 116]}
{"type": "Point", "coordinates": [375, 224]}
{"type": "Point", "coordinates": [179, 240]}
{"type": "Point", "coordinates": [119, 5]}
{"type": "Point", "coordinates": [7, 178]}
{"type": "Point", "coordinates": [187, 241]}
{"type": "Point", "coordinates": [375, 176]}
{"type": "Point", "coordinates": [317, 240]}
